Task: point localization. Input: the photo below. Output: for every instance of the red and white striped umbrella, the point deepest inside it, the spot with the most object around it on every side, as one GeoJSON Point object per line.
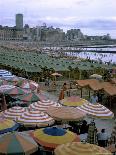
{"type": "Point", "coordinates": [35, 118]}
{"type": "Point", "coordinates": [96, 110]}
{"type": "Point", "coordinates": [14, 112]}
{"type": "Point", "coordinates": [44, 105]}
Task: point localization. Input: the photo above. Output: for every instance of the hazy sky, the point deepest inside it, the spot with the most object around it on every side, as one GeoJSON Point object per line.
{"type": "Point", "coordinates": [93, 17]}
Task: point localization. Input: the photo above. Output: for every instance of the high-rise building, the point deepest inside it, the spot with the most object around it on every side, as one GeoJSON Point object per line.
{"type": "Point", "coordinates": [19, 21]}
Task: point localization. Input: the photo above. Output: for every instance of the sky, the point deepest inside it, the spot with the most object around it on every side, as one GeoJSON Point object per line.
{"type": "Point", "coordinates": [93, 17]}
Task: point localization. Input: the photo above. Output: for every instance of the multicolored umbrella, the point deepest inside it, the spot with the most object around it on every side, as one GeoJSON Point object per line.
{"type": "Point", "coordinates": [14, 112]}
{"type": "Point", "coordinates": [35, 118]}
{"type": "Point", "coordinates": [43, 105]}
{"type": "Point", "coordinates": [51, 137]}
{"type": "Point", "coordinates": [65, 113]}
{"type": "Point", "coordinates": [7, 125]}
{"type": "Point", "coordinates": [73, 101]}
{"type": "Point", "coordinates": [26, 84]}
{"type": "Point", "coordinates": [4, 88]}
{"type": "Point", "coordinates": [15, 91]}
{"type": "Point", "coordinates": [78, 148]}
{"type": "Point", "coordinates": [96, 110]}
{"type": "Point", "coordinates": [17, 143]}
{"type": "Point", "coordinates": [30, 97]}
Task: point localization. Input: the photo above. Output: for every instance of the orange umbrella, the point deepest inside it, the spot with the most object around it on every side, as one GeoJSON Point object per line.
{"type": "Point", "coordinates": [65, 113]}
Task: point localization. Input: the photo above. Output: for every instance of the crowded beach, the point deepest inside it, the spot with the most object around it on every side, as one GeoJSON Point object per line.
{"type": "Point", "coordinates": [55, 105]}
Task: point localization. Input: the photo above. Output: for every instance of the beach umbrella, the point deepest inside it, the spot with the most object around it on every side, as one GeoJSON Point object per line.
{"type": "Point", "coordinates": [96, 76]}
{"type": "Point", "coordinates": [4, 73]}
{"type": "Point", "coordinates": [65, 113]}
{"type": "Point", "coordinates": [35, 118]}
{"type": "Point", "coordinates": [56, 74]}
{"type": "Point", "coordinates": [4, 88]}
{"type": "Point", "coordinates": [51, 137]}
{"type": "Point", "coordinates": [96, 110]}
{"type": "Point", "coordinates": [17, 143]}
{"type": "Point", "coordinates": [79, 148]}
{"type": "Point", "coordinates": [29, 97]}
{"type": "Point", "coordinates": [26, 84]}
{"type": "Point", "coordinates": [15, 91]}
{"type": "Point", "coordinates": [73, 101]}
{"type": "Point", "coordinates": [7, 125]}
{"type": "Point", "coordinates": [6, 77]}
{"type": "Point", "coordinates": [92, 133]}
{"type": "Point", "coordinates": [43, 105]}
{"type": "Point", "coordinates": [15, 79]}
{"type": "Point", "coordinates": [14, 112]}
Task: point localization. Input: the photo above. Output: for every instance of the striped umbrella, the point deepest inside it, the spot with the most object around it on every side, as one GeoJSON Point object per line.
{"type": "Point", "coordinates": [51, 137]}
{"type": "Point", "coordinates": [7, 77]}
{"type": "Point", "coordinates": [29, 97]}
{"type": "Point", "coordinates": [4, 72]}
{"type": "Point", "coordinates": [73, 101]}
{"type": "Point", "coordinates": [26, 84]}
{"type": "Point", "coordinates": [7, 125]}
{"type": "Point", "coordinates": [35, 118]}
{"type": "Point", "coordinates": [43, 105]}
{"type": "Point", "coordinates": [96, 110]}
{"type": "Point", "coordinates": [78, 148]}
{"type": "Point", "coordinates": [14, 112]}
{"type": "Point", "coordinates": [17, 143]}
{"type": "Point", "coordinates": [65, 113]}
{"type": "Point", "coordinates": [15, 91]}
{"type": "Point", "coordinates": [4, 88]}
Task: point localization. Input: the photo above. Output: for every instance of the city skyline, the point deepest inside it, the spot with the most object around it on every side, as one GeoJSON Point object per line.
{"type": "Point", "coordinates": [93, 17]}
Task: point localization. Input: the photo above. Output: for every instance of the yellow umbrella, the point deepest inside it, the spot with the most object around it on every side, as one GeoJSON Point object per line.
{"type": "Point", "coordinates": [78, 148]}
{"type": "Point", "coordinates": [73, 101]}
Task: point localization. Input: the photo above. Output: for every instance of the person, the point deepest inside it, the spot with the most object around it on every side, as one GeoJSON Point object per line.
{"type": "Point", "coordinates": [84, 127]}
{"type": "Point", "coordinates": [102, 138]}
{"type": "Point", "coordinates": [64, 88]}
{"type": "Point", "coordinates": [94, 98]}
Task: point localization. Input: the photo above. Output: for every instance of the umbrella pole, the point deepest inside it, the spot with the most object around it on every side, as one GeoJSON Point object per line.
{"type": "Point", "coordinates": [81, 92]}
{"type": "Point", "coordinates": [4, 105]}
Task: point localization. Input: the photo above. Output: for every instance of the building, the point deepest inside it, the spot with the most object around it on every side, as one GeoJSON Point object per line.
{"type": "Point", "coordinates": [19, 21]}
{"type": "Point", "coordinates": [10, 33]}
{"type": "Point", "coordinates": [74, 35]}
{"type": "Point", "coordinates": [52, 35]}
